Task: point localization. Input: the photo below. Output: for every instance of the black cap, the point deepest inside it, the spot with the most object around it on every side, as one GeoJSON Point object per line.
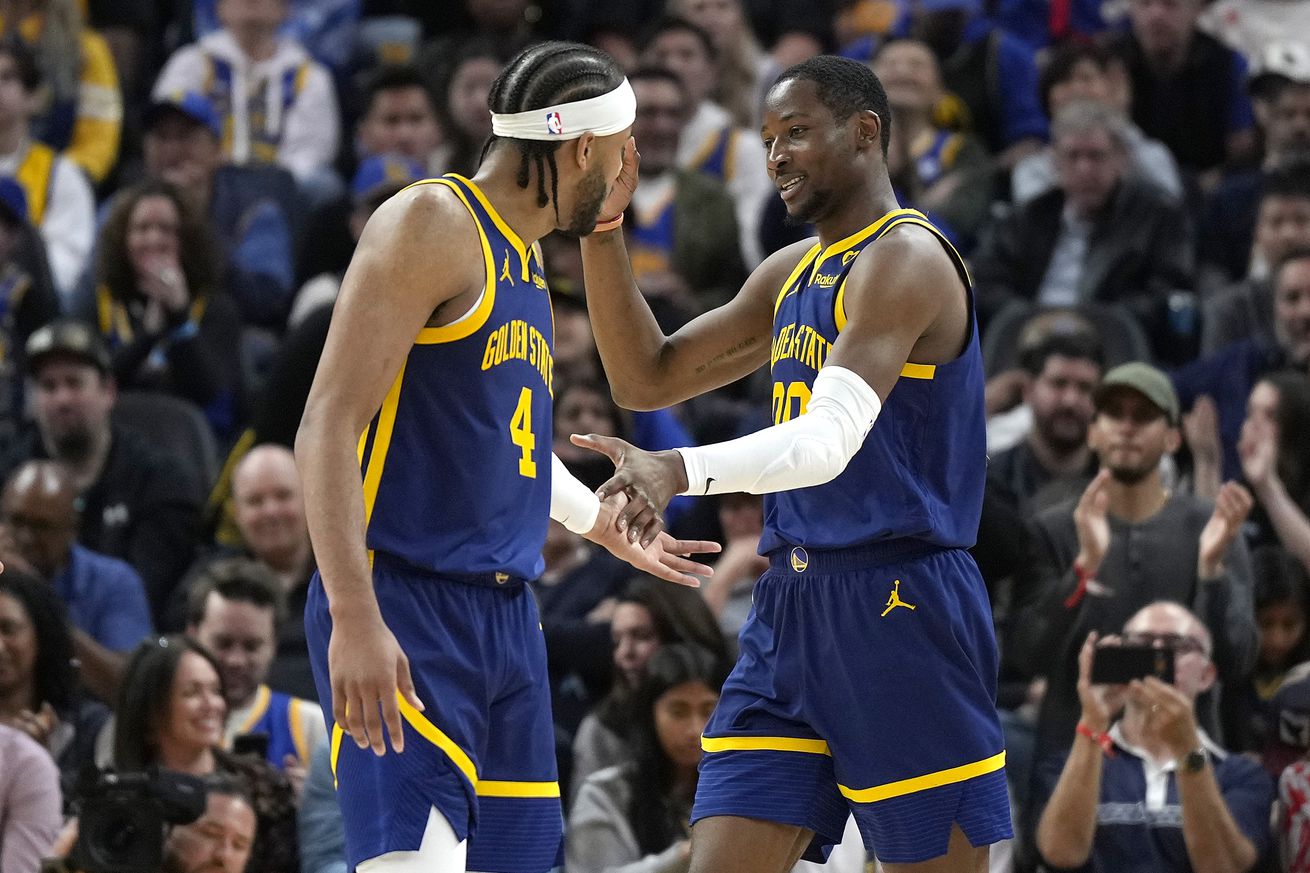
{"type": "Point", "coordinates": [71, 338]}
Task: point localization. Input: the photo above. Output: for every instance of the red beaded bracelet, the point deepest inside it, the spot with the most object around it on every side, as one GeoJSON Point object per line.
{"type": "Point", "coordinates": [1101, 738]}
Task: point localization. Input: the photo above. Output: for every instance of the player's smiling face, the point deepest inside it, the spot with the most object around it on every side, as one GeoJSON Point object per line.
{"type": "Point", "coordinates": [808, 152]}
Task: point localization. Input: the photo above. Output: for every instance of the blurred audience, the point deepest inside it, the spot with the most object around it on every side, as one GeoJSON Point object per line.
{"type": "Point", "coordinates": [277, 104]}
{"type": "Point", "coordinates": [137, 503]}
{"type": "Point", "coordinates": [235, 608]}
{"type": "Point", "coordinates": [1150, 789]}
{"type": "Point", "coordinates": [30, 815]}
{"type": "Point", "coordinates": [40, 694]}
{"type": "Point", "coordinates": [171, 713]}
{"type": "Point", "coordinates": [1126, 542]}
{"type": "Point", "coordinates": [1099, 236]}
{"type": "Point", "coordinates": [59, 199]}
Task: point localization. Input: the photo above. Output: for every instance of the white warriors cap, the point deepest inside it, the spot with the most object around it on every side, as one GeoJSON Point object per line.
{"type": "Point", "coordinates": [603, 115]}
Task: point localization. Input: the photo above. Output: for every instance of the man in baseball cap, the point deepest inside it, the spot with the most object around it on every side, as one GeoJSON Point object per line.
{"type": "Point", "coordinates": [1145, 380]}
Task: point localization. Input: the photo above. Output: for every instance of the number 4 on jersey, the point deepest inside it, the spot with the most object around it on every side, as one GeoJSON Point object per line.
{"type": "Point", "coordinates": [520, 433]}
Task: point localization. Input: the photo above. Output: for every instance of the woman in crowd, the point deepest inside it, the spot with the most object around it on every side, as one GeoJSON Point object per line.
{"type": "Point", "coordinates": [39, 692]}
{"type": "Point", "coordinates": [462, 106]}
{"type": "Point", "coordinates": [650, 614]}
{"type": "Point", "coordinates": [83, 113]}
{"type": "Point", "coordinates": [745, 69]}
{"type": "Point", "coordinates": [159, 305]}
{"type": "Point", "coordinates": [1275, 463]}
{"type": "Point", "coordinates": [1282, 605]}
{"type": "Point", "coordinates": [634, 817]}
{"type": "Point", "coordinates": [170, 714]}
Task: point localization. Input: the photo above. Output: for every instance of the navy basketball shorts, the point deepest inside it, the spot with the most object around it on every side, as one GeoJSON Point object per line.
{"type": "Point", "coordinates": [482, 751]}
{"type": "Point", "coordinates": [865, 685]}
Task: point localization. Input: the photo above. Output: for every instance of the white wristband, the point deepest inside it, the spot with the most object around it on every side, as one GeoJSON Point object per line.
{"type": "Point", "coordinates": [572, 504]}
{"type": "Point", "coordinates": [811, 449]}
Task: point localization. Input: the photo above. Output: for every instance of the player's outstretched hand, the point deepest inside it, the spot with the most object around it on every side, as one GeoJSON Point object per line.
{"type": "Point", "coordinates": [369, 675]}
{"type": "Point", "coordinates": [665, 557]}
{"type": "Point", "coordinates": [649, 479]}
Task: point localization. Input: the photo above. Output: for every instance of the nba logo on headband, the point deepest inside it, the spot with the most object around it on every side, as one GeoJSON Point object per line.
{"type": "Point", "coordinates": [554, 123]}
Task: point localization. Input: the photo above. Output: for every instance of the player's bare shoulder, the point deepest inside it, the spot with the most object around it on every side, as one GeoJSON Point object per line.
{"type": "Point", "coordinates": [418, 242]}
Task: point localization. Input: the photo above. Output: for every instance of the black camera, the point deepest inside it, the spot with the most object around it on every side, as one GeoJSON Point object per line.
{"type": "Point", "coordinates": [123, 818]}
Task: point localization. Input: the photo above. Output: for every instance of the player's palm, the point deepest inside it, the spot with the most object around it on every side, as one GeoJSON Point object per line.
{"type": "Point", "coordinates": [665, 557]}
{"type": "Point", "coordinates": [621, 194]}
{"type": "Point", "coordinates": [369, 672]}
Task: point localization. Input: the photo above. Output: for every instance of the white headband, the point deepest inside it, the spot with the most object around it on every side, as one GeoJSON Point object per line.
{"type": "Point", "coordinates": [604, 115]}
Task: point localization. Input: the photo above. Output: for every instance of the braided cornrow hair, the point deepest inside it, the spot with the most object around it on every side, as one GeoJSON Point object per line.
{"type": "Point", "coordinates": [544, 75]}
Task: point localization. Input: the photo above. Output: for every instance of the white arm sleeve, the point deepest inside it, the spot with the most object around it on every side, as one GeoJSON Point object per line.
{"type": "Point", "coordinates": [811, 449]}
{"type": "Point", "coordinates": [572, 504]}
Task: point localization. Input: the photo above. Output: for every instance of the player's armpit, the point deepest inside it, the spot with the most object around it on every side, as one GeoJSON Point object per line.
{"type": "Point", "coordinates": [902, 301]}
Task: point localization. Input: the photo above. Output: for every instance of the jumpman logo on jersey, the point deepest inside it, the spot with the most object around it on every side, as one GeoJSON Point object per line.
{"type": "Point", "coordinates": [504, 271]}
{"type": "Point", "coordinates": [895, 599]}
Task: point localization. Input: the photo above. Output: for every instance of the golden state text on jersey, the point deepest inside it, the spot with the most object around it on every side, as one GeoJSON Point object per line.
{"type": "Point", "coordinates": [456, 464]}
{"type": "Point", "coordinates": [921, 470]}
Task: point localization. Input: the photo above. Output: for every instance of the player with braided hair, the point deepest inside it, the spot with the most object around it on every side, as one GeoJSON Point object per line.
{"type": "Point", "coordinates": [435, 390]}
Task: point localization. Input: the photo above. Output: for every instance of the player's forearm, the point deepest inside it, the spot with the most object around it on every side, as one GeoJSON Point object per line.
{"type": "Point", "coordinates": [631, 345]}
{"type": "Point", "coordinates": [1215, 844]}
{"type": "Point", "coordinates": [1068, 824]}
{"type": "Point", "coordinates": [334, 510]}
{"type": "Point", "coordinates": [572, 504]}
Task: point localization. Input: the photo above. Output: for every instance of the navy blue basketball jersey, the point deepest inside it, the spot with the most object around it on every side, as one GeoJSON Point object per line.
{"type": "Point", "coordinates": [456, 464]}
{"type": "Point", "coordinates": [921, 470]}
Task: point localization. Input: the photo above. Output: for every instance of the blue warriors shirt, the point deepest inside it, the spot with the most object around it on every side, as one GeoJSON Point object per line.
{"type": "Point", "coordinates": [920, 473]}
{"type": "Point", "coordinates": [456, 464]}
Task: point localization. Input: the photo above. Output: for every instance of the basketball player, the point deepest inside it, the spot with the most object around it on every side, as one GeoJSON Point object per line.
{"type": "Point", "coordinates": [867, 676]}
{"type": "Point", "coordinates": [435, 387]}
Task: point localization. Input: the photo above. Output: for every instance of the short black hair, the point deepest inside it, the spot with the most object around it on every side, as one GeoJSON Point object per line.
{"type": "Point", "coordinates": [1078, 346]}
{"type": "Point", "coordinates": [543, 75]}
{"type": "Point", "coordinates": [394, 77]}
{"type": "Point", "coordinates": [677, 24]}
{"type": "Point", "coordinates": [29, 73]}
{"type": "Point", "coordinates": [845, 87]}
{"type": "Point", "coordinates": [1060, 66]}
{"type": "Point", "coordinates": [1289, 180]}
{"type": "Point", "coordinates": [1278, 578]}
{"type": "Point", "coordinates": [243, 580]}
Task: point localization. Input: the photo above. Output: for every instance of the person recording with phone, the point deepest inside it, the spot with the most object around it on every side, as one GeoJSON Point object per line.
{"type": "Point", "coordinates": [1128, 541]}
{"type": "Point", "coordinates": [1144, 787]}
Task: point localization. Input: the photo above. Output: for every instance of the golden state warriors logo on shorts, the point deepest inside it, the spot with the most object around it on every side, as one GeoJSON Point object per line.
{"type": "Point", "coordinates": [799, 559]}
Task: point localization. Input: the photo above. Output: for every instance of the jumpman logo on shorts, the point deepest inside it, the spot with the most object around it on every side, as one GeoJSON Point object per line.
{"type": "Point", "coordinates": [895, 599]}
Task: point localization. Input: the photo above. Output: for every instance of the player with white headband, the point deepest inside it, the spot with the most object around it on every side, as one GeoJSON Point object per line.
{"type": "Point", "coordinates": [435, 390]}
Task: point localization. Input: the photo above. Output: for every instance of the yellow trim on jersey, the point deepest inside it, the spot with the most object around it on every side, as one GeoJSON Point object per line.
{"type": "Point", "coordinates": [436, 737]}
{"type": "Point", "coordinates": [729, 156]}
{"type": "Point", "coordinates": [791, 280]}
{"type": "Point", "coordinates": [923, 783]}
{"type": "Point", "coordinates": [381, 442]}
{"type": "Point", "coordinates": [514, 239]}
{"type": "Point", "coordinates": [906, 216]}
{"type": "Point", "coordinates": [448, 333]}
{"type": "Point", "coordinates": [262, 697]}
{"type": "Point", "coordinates": [490, 788]}
{"type": "Point", "coordinates": [299, 738]}
{"type": "Point", "coordinates": [918, 371]}
{"type": "Point", "coordinates": [861, 235]}
{"type": "Point", "coordinates": [334, 750]}
{"type": "Point", "coordinates": [702, 154]}
{"type": "Point", "coordinates": [765, 744]}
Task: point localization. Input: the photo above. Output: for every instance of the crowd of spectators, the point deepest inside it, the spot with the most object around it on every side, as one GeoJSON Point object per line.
{"type": "Point", "coordinates": [182, 185]}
